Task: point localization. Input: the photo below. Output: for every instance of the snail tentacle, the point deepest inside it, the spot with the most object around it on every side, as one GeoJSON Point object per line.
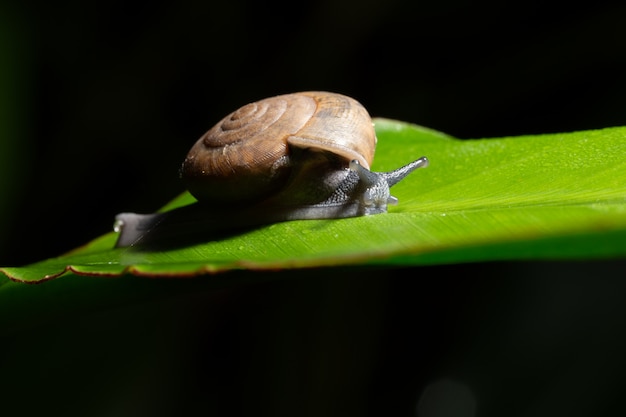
{"type": "Point", "coordinates": [397, 175]}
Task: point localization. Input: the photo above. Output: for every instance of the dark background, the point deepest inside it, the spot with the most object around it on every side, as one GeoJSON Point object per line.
{"type": "Point", "coordinates": [105, 98]}
{"type": "Point", "coordinates": [100, 102]}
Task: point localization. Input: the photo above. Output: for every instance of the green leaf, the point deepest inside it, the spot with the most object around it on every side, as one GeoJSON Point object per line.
{"type": "Point", "coordinates": [532, 197]}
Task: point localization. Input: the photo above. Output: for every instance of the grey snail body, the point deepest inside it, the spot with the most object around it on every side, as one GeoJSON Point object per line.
{"type": "Point", "coordinates": [290, 157]}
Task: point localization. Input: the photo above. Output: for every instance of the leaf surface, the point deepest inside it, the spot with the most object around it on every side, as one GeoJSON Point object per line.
{"type": "Point", "coordinates": [552, 196]}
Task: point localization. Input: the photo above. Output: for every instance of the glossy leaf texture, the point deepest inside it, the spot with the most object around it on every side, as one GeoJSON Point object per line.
{"type": "Point", "coordinates": [553, 196]}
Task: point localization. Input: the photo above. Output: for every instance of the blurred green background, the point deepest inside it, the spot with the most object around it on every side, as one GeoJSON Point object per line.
{"type": "Point", "coordinates": [99, 103]}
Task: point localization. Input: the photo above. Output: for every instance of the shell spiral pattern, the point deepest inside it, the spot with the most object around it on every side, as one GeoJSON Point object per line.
{"type": "Point", "coordinates": [248, 155]}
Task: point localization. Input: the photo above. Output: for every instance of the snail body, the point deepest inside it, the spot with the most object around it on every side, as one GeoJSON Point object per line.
{"type": "Point", "coordinates": [294, 156]}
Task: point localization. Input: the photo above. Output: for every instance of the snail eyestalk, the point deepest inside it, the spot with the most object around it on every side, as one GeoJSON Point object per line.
{"type": "Point", "coordinates": [397, 175]}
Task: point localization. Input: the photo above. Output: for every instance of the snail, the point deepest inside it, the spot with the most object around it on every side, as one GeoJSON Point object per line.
{"type": "Point", "coordinates": [290, 157]}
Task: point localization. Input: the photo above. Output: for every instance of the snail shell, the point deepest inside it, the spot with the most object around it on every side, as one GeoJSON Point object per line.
{"type": "Point", "coordinates": [295, 156]}
{"type": "Point", "coordinates": [253, 152]}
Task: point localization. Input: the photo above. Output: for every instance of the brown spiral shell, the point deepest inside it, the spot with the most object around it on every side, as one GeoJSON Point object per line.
{"type": "Point", "coordinates": [253, 152]}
